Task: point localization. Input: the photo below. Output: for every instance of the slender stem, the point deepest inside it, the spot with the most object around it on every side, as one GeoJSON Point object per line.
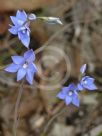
{"type": "Point", "coordinates": [52, 119]}
{"type": "Point", "coordinates": [16, 109]}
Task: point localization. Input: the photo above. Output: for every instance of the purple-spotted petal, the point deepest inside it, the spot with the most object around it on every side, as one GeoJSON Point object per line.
{"type": "Point", "coordinates": [18, 59]}
{"type": "Point", "coordinates": [21, 73]}
{"type": "Point", "coordinates": [68, 100]}
{"type": "Point", "coordinates": [12, 68]}
{"type": "Point", "coordinates": [83, 69]}
{"type": "Point", "coordinates": [29, 77]}
{"type": "Point", "coordinates": [29, 55]}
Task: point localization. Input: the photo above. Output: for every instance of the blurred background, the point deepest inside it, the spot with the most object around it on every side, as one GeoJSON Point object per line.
{"type": "Point", "coordinates": [64, 48]}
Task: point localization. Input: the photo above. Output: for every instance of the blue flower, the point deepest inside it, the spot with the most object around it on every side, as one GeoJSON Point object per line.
{"type": "Point", "coordinates": [24, 66]}
{"type": "Point", "coordinates": [87, 82]}
{"type": "Point", "coordinates": [69, 95]}
{"type": "Point", "coordinates": [21, 26]}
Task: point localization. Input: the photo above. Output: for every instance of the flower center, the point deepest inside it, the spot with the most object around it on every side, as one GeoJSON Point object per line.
{"type": "Point", "coordinates": [85, 82]}
{"type": "Point", "coordinates": [25, 65]}
{"type": "Point", "coordinates": [70, 93]}
{"type": "Point", "coordinates": [20, 21]}
{"type": "Point", "coordinates": [23, 31]}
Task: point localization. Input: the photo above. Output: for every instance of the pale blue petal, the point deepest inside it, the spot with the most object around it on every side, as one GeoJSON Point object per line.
{"type": "Point", "coordinates": [14, 20]}
{"type": "Point", "coordinates": [71, 87]}
{"type": "Point", "coordinates": [21, 34]}
{"type": "Point", "coordinates": [90, 86]}
{"type": "Point", "coordinates": [18, 13]}
{"type": "Point", "coordinates": [18, 59]}
{"type": "Point", "coordinates": [12, 68]}
{"type": "Point", "coordinates": [32, 67]}
{"type": "Point", "coordinates": [68, 100]}
{"type": "Point", "coordinates": [21, 73]}
{"type": "Point", "coordinates": [21, 15]}
{"type": "Point", "coordinates": [29, 56]}
{"type": "Point", "coordinates": [61, 95]}
{"type": "Point", "coordinates": [75, 100]}
{"type": "Point", "coordinates": [35, 67]}
{"type": "Point", "coordinates": [80, 87]}
{"type": "Point", "coordinates": [65, 90]}
{"type": "Point", "coordinates": [88, 79]}
{"type": "Point", "coordinates": [24, 37]}
{"type": "Point", "coordinates": [29, 77]}
{"type": "Point", "coordinates": [88, 83]}
{"type": "Point", "coordinates": [83, 69]}
{"type": "Point", "coordinates": [26, 41]}
{"type": "Point", "coordinates": [13, 30]}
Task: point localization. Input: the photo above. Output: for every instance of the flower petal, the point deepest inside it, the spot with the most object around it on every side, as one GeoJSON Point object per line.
{"type": "Point", "coordinates": [32, 67]}
{"type": "Point", "coordinates": [65, 90]}
{"type": "Point", "coordinates": [88, 79]}
{"type": "Point", "coordinates": [71, 87]}
{"type": "Point", "coordinates": [12, 68]}
{"type": "Point", "coordinates": [88, 83]}
{"type": "Point", "coordinates": [21, 15]}
{"type": "Point", "coordinates": [21, 73]}
{"type": "Point", "coordinates": [18, 59]}
{"type": "Point", "coordinates": [75, 100]}
{"type": "Point", "coordinates": [90, 86]}
{"type": "Point", "coordinates": [61, 95]}
{"type": "Point", "coordinates": [13, 30]}
{"type": "Point", "coordinates": [29, 76]}
{"type": "Point", "coordinates": [25, 38]}
{"type": "Point", "coordinates": [14, 20]}
{"type": "Point", "coordinates": [29, 56]}
{"type": "Point", "coordinates": [80, 87]}
{"type": "Point", "coordinates": [68, 100]}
